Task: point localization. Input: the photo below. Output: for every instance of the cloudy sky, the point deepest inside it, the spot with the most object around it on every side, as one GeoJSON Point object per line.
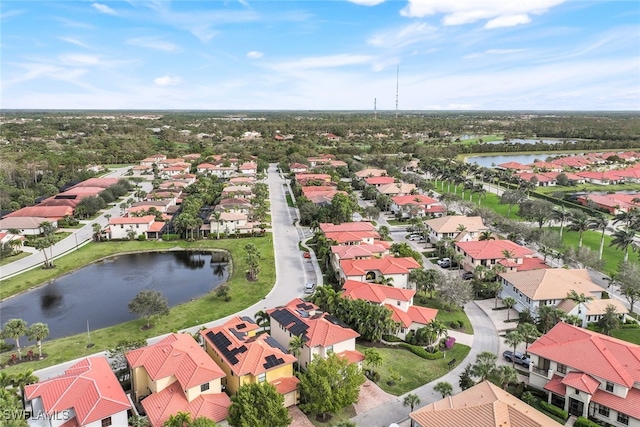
{"type": "Point", "coordinates": [321, 54]}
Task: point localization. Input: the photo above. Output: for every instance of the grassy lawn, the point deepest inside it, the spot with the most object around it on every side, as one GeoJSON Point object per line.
{"type": "Point", "coordinates": [202, 310]}
{"type": "Point", "coordinates": [489, 200]}
{"type": "Point", "coordinates": [631, 335]}
{"type": "Point", "coordinates": [396, 222]}
{"type": "Point", "coordinates": [444, 314]}
{"type": "Point", "coordinates": [414, 370]}
{"type": "Point", "coordinates": [289, 201]}
{"type": "Point", "coordinates": [588, 187]}
{"type": "Point", "coordinates": [15, 257]}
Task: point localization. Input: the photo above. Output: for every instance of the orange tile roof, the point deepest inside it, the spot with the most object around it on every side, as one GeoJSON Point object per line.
{"type": "Point", "coordinates": [492, 249]}
{"type": "Point", "coordinates": [250, 353]}
{"type": "Point", "coordinates": [450, 224]}
{"type": "Point", "coordinates": [351, 236]}
{"type": "Point", "coordinates": [156, 226]}
{"type": "Point", "coordinates": [483, 405]}
{"type": "Point", "coordinates": [386, 265]}
{"type": "Point", "coordinates": [590, 352]}
{"type": "Point", "coordinates": [581, 381]}
{"type": "Point", "coordinates": [321, 328]}
{"type": "Point", "coordinates": [160, 406]}
{"type": "Point", "coordinates": [179, 355]}
{"type": "Point", "coordinates": [327, 227]}
{"type": "Point", "coordinates": [380, 180]}
{"type": "Point", "coordinates": [417, 199]}
{"type": "Point", "coordinates": [358, 251]}
{"type": "Point", "coordinates": [375, 293]}
{"type": "Point", "coordinates": [285, 385]}
{"type": "Point", "coordinates": [514, 165]}
{"type": "Point", "coordinates": [353, 356]}
{"type": "Point", "coordinates": [50, 212]}
{"type": "Point", "coordinates": [420, 315]}
{"type": "Point", "coordinates": [132, 220]}
{"type": "Point", "coordinates": [89, 387]}
{"type": "Point", "coordinates": [628, 405]}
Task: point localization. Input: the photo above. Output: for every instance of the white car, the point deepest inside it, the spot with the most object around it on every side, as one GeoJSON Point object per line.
{"type": "Point", "coordinates": [415, 237]}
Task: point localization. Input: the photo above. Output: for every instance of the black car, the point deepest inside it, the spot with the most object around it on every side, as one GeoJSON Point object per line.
{"type": "Point", "coordinates": [468, 275]}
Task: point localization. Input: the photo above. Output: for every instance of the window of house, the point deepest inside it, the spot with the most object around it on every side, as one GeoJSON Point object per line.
{"type": "Point", "coordinates": [603, 410]}
{"type": "Point", "coordinates": [121, 225]}
{"type": "Point", "coordinates": [561, 368]}
{"type": "Point", "coordinates": [137, 225]}
{"type": "Point", "coordinates": [623, 418]}
{"type": "Point", "coordinates": [204, 387]}
{"type": "Point", "coordinates": [262, 377]}
{"type": "Point", "coordinates": [330, 349]}
{"type": "Point", "coordinates": [398, 302]}
{"type": "Point", "coordinates": [609, 386]}
{"type": "Point", "coordinates": [106, 422]}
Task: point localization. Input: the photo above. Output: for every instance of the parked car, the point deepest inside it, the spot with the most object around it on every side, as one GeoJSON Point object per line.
{"type": "Point", "coordinates": [414, 237]}
{"type": "Point", "coordinates": [309, 288]}
{"type": "Point", "coordinates": [307, 255]}
{"type": "Point", "coordinates": [444, 262]}
{"type": "Point", "coordinates": [520, 359]}
{"type": "Point", "coordinates": [468, 275]}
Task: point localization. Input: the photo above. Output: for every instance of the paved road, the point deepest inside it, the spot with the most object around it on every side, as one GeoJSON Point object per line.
{"type": "Point", "coordinates": [72, 242]}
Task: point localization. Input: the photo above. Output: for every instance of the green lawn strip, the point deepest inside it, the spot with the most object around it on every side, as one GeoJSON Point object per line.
{"type": "Point", "coordinates": [589, 188]}
{"type": "Point", "coordinates": [342, 415]}
{"type": "Point", "coordinates": [198, 311]}
{"type": "Point", "coordinates": [289, 201]}
{"type": "Point", "coordinates": [12, 258]}
{"type": "Point", "coordinates": [415, 371]}
{"type": "Point", "coordinates": [445, 315]}
{"type": "Point", "coordinates": [489, 200]}
{"type": "Point", "coordinates": [396, 222]}
{"type": "Point", "coordinates": [629, 335]}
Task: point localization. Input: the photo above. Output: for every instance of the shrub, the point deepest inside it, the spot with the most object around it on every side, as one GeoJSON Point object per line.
{"type": "Point", "coordinates": [142, 237]}
{"type": "Point", "coordinates": [554, 410]}
{"type": "Point", "coordinates": [453, 324]}
{"type": "Point", "coordinates": [168, 237]}
{"type": "Point", "coordinates": [519, 389]}
{"type": "Point", "coordinates": [391, 338]}
{"type": "Point", "coordinates": [372, 375]}
{"type": "Point", "coordinates": [449, 343]}
{"type": "Point", "coordinates": [584, 422]}
{"type": "Point", "coordinates": [421, 352]}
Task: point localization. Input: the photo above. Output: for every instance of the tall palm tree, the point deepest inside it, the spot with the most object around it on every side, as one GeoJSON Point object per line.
{"type": "Point", "coordinates": [485, 363]}
{"type": "Point", "coordinates": [38, 332]}
{"type": "Point", "coordinates": [513, 339]}
{"type": "Point", "coordinates": [22, 379]}
{"type": "Point", "coordinates": [14, 329]}
{"type": "Point", "coordinates": [623, 239]}
{"type": "Point", "coordinates": [580, 223]}
{"type": "Point", "coordinates": [296, 344]}
{"type": "Point", "coordinates": [509, 302]}
{"type": "Point", "coordinates": [444, 388]}
{"type": "Point", "coordinates": [548, 317]}
{"type": "Point", "coordinates": [562, 216]}
{"type": "Point", "coordinates": [528, 331]}
{"type": "Point", "coordinates": [262, 320]}
{"type": "Point", "coordinates": [504, 375]}
{"type": "Point", "coordinates": [411, 400]}
{"type": "Point", "coordinates": [97, 231]}
{"type": "Point", "coordinates": [216, 216]}
{"type": "Point", "coordinates": [600, 223]}
{"type": "Point", "coordinates": [578, 299]}
{"type": "Point", "coordinates": [508, 255]}
{"type": "Point", "coordinates": [486, 235]}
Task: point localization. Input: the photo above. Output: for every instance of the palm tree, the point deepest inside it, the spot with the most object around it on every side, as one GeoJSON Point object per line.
{"type": "Point", "coordinates": [42, 244]}
{"type": "Point", "coordinates": [485, 363]}
{"type": "Point", "coordinates": [623, 239]}
{"type": "Point", "coordinates": [262, 319]}
{"type": "Point", "coordinates": [580, 223]}
{"type": "Point", "coordinates": [444, 388]}
{"type": "Point", "coordinates": [385, 281]}
{"type": "Point", "coordinates": [372, 358]}
{"type": "Point", "coordinates": [528, 331]}
{"type": "Point", "coordinates": [15, 328]}
{"type": "Point", "coordinates": [22, 379]}
{"type": "Point", "coordinates": [509, 302]}
{"type": "Point", "coordinates": [495, 287]}
{"type": "Point", "coordinates": [561, 215]}
{"type": "Point", "coordinates": [181, 419]}
{"type": "Point", "coordinates": [486, 235]}
{"type": "Point", "coordinates": [383, 231]}
{"type": "Point", "coordinates": [508, 255]}
{"type": "Point", "coordinates": [601, 223]}
{"type": "Point", "coordinates": [216, 216]}
{"type": "Point", "coordinates": [411, 400]}
{"type": "Point", "coordinates": [504, 375]}
{"type": "Point", "coordinates": [548, 317]}
{"type": "Point", "coordinates": [38, 332]}
{"type": "Point", "coordinates": [296, 344]}
{"type": "Point", "coordinates": [578, 299]}
{"type": "Point", "coordinates": [138, 421]}
{"type": "Point", "coordinates": [513, 339]}
{"type": "Point", "coordinates": [97, 231]}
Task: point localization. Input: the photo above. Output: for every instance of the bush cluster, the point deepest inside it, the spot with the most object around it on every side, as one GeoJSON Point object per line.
{"type": "Point", "coordinates": [421, 352]}
{"type": "Point", "coordinates": [584, 422]}
{"type": "Point", "coordinates": [554, 410]}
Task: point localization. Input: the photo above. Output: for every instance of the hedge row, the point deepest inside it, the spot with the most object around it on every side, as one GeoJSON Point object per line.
{"type": "Point", "coordinates": [421, 352]}
{"type": "Point", "coordinates": [584, 422]}
{"type": "Point", "coordinates": [554, 410]}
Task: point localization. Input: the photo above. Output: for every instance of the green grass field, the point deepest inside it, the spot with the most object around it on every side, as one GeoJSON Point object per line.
{"type": "Point", "coordinates": [415, 371]}
{"type": "Point", "coordinates": [198, 311]}
{"type": "Point", "coordinates": [446, 315]}
{"type": "Point", "coordinates": [12, 258]}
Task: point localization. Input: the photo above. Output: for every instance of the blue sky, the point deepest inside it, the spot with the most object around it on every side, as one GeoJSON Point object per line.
{"type": "Point", "coordinates": [321, 55]}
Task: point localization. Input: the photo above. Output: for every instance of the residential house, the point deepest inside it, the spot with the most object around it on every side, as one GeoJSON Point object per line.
{"type": "Point", "coordinates": [15, 241]}
{"type": "Point", "coordinates": [86, 395]}
{"type": "Point", "coordinates": [417, 205]}
{"type": "Point", "coordinates": [399, 301]}
{"type": "Point", "coordinates": [351, 233]}
{"type": "Point", "coordinates": [232, 191]}
{"type": "Point", "coordinates": [249, 168]}
{"type": "Point", "coordinates": [374, 269]}
{"type": "Point", "coordinates": [450, 227]}
{"type": "Point", "coordinates": [119, 228]}
{"type": "Point", "coordinates": [229, 223]}
{"type": "Point", "coordinates": [491, 252]}
{"type": "Point", "coordinates": [242, 180]}
{"type": "Point", "coordinates": [483, 405]}
{"type": "Point", "coordinates": [592, 311]}
{"type": "Point", "coordinates": [378, 181]}
{"type": "Point", "coordinates": [27, 225]}
{"type": "Point", "coordinates": [322, 333]}
{"type": "Point", "coordinates": [601, 177]}
{"type": "Point", "coordinates": [234, 205]}
{"type": "Point", "coordinates": [298, 168]}
{"type": "Point", "coordinates": [176, 375]}
{"type": "Point", "coordinates": [220, 171]}
{"type": "Point", "coordinates": [540, 179]}
{"type": "Point", "coordinates": [369, 172]}
{"type": "Point", "coordinates": [247, 358]}
{"type": "Point", "coordinates": [51, 213]}
{"type": "Point", "coordinates": [542, 166]}
{"type": "Point", "coordinates": [397, 189]}
{"type": "Point", "coordinates": [305, 179]}
{"type": "Point", "coordinates": [156, 158]}
{"type": "Point", "coordinates": [321, 195]}
{"type": "Point", "coordinates": [613, 203]}
{"type": "Point", "coordinates": [358, 251]}
{"type": "Point", "coordinates": [515, 167]}
{"type": "Point", "coordinates": [548, 286]}
{"type": "Point", "coordinates": [588, 374]}
{"type": "Point", "coordinates": [175, 169]}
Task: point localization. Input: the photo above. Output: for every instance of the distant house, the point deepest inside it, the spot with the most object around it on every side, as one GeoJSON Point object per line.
{"type": "Point", "coordinates": [249, 168]}
{"type": "Point", "coordinates": [378, 181]}
{"type": "Point", "coordinates": [359, 251]}
{"type": "Point", "coordinates": [451, 227]}
{"type": "Point", "coordinates": [119, 228]}
{"type": "Point", "coordinates": [176, 375]}
{"type": "Point", "coordinates": [490, 252]}
{"type": "Point", "coordinates": [588, 374]}
{"type": "Point", "coordinates": [397, 189]}
{"type": "Point", "coordinates": [86, 395]}
{"type": "Point", "coordinates": [368, 172]}
{"type": "Point", "coordinates": [351, 233]}
{"type": "Point", "coordinates": [322, 333]}
{"type": "Point", "coordinates": [247, 358]}
{"type": "Point", "coordinates": [305, 179]}
{"type": "Point", "coordinates": [515, 167]}
{"type": "Point", "coordinates": [298, 168]}
{"type": "Point", "coordinates": [27, 225]}
{"type": "Point", "coordinates": [230, 223]}
{"type": "Point", "coordinates": [234, 205]}
{"type": "Point", "coordinates": [52, 213]}
{"type": "Point", "coordinates": [233, 191]}
{"type": "Point", "coordinates": [374, 269]}
{"type": "Point", "coordinates": [418, 205]}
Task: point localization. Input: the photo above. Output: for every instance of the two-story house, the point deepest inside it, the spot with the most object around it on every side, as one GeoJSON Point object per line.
{"type": "Point", "coordinates": [450, 227]}
{"type": "Point", "coordinates": [361, 251]}
{"type": "Point", "coordinates": [399, 301]}
{"type": "Point", "coordinates": [321, 332]}
{"type": "Point", "coordinates": [351, 233]}
{"type": "Point", "coordinates": [417, 205]}
{"type": "Point", "coordinates": [369, 172]}
{"type": "Point", "coordinates": [488, 253]}
{"type": "Point", "coordinates": [374, 269]}
{"type": "Point", "coordinates": [377, 181]}
{"type": "Point", "coordinates": [229, 223]}
{"type": "Point", "coordinates": [176, 375]}
{"type": "Point", "coordinates": [86, 395]}
{"type": "Point", "coordinates": [247, 358]}
{"type": "Point", "coordinates": [397, 189]}
{"type": "Point", "coordinates": [588, 374]}
{"type": "Point", "coordinates": [119, 228]}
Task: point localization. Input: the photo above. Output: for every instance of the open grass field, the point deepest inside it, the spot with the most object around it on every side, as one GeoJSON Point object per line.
{"type": "Point", "coordinates": [489, 200]}
{"type": "Point", "coordinates": [12, 258]}
{"type": "Point", "coordinates": [415, 371]}
{"type": "Point", "coordinates": [445, 315]}
{"type": "Point", "coordinates": [198, 311]}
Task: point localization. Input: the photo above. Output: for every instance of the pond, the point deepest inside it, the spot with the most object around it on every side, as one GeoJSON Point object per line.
{"type": "Point", "coordinates": [492, 161]}
{"type": "Point", "coordinates": [99, 293]}
{"type": "Point", "coordinates": [529, 141]}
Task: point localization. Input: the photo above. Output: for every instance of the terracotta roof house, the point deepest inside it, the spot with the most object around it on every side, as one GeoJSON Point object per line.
{"type": "Point", "coordinates": [237, 190]}
{"type": "Point", "coordinates": [27, 225]}
{"type": "Point", "coordinates": [216, 170]}
{"type": "Point", "coordinates": [541, 179]}
{"type": "Point", "coordinates": [377, 181]}
{"type": "Point", "coordinates": [399, 301]}
{"type": "Point", "coordinates": [588, 374]}
{"type": "Point", "coordinates": [359, 251]}
{"type": "Point", "coordinates": [397, 189]}
{"type": "Point", "coordinates": [87, 394]}
{"type": "Point", "coordinates": [417, 205]}
{"type": "Point", "coordinates": [601, 177]}
{"type": "Point", "coordinates": [354, 237]}
{"type": "Point", "coordinates": [119, 227]}
{"type": "Point", "coordinates": [592, 311]}
{"type": "Point", "coordinates": [545, 166]}
{"type": "Point", "coordinates": [571, 162]}
{"type": "Point", "coordinates": [51, 213]}
{"type": "Point", "coordinates": [613, 203]}
{"type": "Point", "coordinates": [369, 172]}
{"type": "Point", "coordinates": [97, 182]}
{"type": "Point", "coordinates": [449, 227]}
{"type": "Point", "coordinates": [191, 157]}
{"type": "Point", "coordinates": [176, 375]}
{"type": "Point", "coordinates": [327, 227]}
{"type": "Point", "coordinates": [491, 252]}
{"type": "Point", "coordinates": [374, 269]}
{"type": "Point", "coordinates": [247, 358]}
{"type": "Point", "coordinates": [298, 168]}
{"type": "Point", "coordinates": [548, 286]}
{"type": "Point", "coordinates": [248, 168]}
{"type": "Point", "coordinates": [628, 175]}
{"type": "Point", "coordinates": [305, 178]}
{"type": "Point", "coordinates": [515, 167]}
{"type": "Point", "coordinates": [483, 405]}
{"type": "Point", "coordinates": [235, 205]}
{"type": "Point", "coordinates": [321, 332]}
{"type": "Point", "coordinates": [229, 223]}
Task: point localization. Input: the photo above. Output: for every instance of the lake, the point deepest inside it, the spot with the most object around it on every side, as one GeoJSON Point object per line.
{"type": "Point", "coordinates": [492, 161]}
{"type": "Point", "coordinates": [100, 292]}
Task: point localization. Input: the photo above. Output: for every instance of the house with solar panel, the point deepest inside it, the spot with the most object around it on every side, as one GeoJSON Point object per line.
{"type": "Point", "coordinates": [176, 375]}
{"type": "Point", "coordinates": [247, 358]}
{"type": "Point", "coordinates": [321, 333]}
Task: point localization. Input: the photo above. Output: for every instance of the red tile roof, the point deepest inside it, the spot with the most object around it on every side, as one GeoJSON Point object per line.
{"type": "Point", "coordinates": [147, 219]}
{"type": "Point", "coordinates": [285, 385]}
{"type": "Point", "coordinates": [380, 180]}
{"type": "Point", "coordinates": [628, 405]}
{"type": "Point", "coordinates": [353, 356]}
{"type": "Point", "coordinates": [581, 381]}
{"type": "Point", "coordinates": [352, 236]}
{"type": "Point", "coordinates": [346, 226]}
{"type": "Point", "coordinates": [514, 165]}
{"type": "Point", "coordinates": [156, 226]}
{"type": "Point", "coordinates": [492, 249]}
{"type": "Point", "coordinates": [420, 315]}
{"type": "Point", "coordinates": [386, 265]}
{"type": "Point", "coordinates": [89, 387]}
{"type": "Point", "coordinates": [322, 329]}
{"type": "Point", "coordinates": [160, 406]}
{"type": "Point", "coordinates": [418, 199]}
{"type": "Point", "coordinates": [358, 251]}
{"type": "Point", "coordinates": [372, 292]}
{"type": "Point", "coordinates": [97, 182]}
{"type": "Point", "coordinates": [556, 386]}
{"type": "Point", "coordinates": [590, 352]}
{"type": "Point", "coordinates": [50, 212]}
{"type": "Point", "coordinates": [179, 355]}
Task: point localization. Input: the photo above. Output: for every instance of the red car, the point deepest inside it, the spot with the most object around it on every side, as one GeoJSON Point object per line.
{"type": "Point", "coordinates": [307, 255]}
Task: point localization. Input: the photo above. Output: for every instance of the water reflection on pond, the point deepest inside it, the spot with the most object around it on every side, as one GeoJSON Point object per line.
{"type": "Point", "coordinates": [100, 292]}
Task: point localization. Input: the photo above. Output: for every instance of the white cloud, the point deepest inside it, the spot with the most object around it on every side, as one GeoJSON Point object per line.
{"type": "Point", "coordinates": [73, 41]}
{"type": "Point", "coordinates": [254, 54]}
{"type": "Point", "coordinates": [331, 61]}
{"type": "Point", "coordinates": [78, 59]}
{"type": "Point", "coordinates": [167, 81]}
{"type": "Point", "coordinates": [405, 36]}
{"type": "Point", "coordinates": [153, 43]}
{"type": "Point", "coordinates": [103, 8]}
{"type": "Point", "coordinates": [366, 2]}
{"type": "Point", "coordinates": [497, 13]}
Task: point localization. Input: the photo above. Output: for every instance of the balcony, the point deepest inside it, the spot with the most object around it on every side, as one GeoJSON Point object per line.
{"type": "Point", "coordinates": [546, 373]}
